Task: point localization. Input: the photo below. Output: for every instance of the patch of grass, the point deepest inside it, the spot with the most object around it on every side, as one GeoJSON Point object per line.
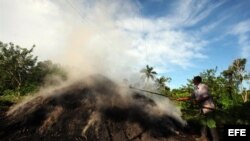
{"type": "Point", "coordinates": [8, 100]}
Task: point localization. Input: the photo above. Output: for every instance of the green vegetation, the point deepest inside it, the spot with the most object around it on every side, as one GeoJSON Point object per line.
{"type": "Point", "coordinates": [21, 74]}
{"type": "Point", "coordinates": [161, 84]}
{"type": "Point", "coordinates": [229, 88]}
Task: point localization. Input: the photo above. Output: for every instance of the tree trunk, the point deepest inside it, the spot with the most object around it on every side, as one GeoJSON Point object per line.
{"type": "Point", "coordinates": [246, 97]}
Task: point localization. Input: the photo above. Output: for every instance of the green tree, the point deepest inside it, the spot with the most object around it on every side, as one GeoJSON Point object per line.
{"type": "Point", "coordinates": [44, 71]}
{"type": "Point", "coordinates": [161, 84]}
{"type": "Point", "coordinates": [16, 64]}
{"type": "Point", "coordinates": [21, 73]}
{"type": "Point", "coordinates": [148, 73]}
{"type": "Point", "coordinates": [235, 76]}
{"type": "Point", "coordinates": [228, 74]}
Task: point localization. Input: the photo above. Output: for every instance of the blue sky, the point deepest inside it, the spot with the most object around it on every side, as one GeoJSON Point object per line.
{"type": "Point", "coordinates": [179, 38]}
{"type": "Point", "coordinates": [216, 28]}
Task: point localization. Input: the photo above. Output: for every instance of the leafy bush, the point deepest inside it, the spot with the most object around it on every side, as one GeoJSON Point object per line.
{"type": "Point", "coordinates": [21, 74]}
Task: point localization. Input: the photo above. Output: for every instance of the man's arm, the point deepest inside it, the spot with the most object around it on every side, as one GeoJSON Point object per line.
{"type": "Point", "coordinates": [183, 99]}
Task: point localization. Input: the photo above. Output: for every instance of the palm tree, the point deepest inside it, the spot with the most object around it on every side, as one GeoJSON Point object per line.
{"type": "Point", "coordinates": [161, 82]}
{"type": "Point", "coordinates": [148, 73]}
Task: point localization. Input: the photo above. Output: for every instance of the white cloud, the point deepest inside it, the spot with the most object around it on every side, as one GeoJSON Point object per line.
{"type": "Point", "coordinates": [211, 26]}
{"type": "Point", "coordinates": [242, 30]}
{"type": "Point", "coordinates": [93, 33]}
{"type": "Point", "coordinates": [242, 27]}
{"type": "Point", "coordinates": [190, 12]}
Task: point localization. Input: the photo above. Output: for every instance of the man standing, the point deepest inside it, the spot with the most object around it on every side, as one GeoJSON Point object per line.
{"type": "Point", "coordinates": [203, 97]}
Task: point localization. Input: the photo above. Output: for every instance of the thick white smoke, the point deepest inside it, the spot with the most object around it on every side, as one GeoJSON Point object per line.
{"type": "Point", "coordinates": [112, 37]}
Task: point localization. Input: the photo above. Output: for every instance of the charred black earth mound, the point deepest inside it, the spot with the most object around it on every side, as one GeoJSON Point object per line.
{"type": "Point", "coordinates": [95, 109]}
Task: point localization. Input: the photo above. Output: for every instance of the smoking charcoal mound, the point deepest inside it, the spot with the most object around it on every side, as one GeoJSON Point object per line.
{"type": "Point", "coordinates": [93, 109]}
